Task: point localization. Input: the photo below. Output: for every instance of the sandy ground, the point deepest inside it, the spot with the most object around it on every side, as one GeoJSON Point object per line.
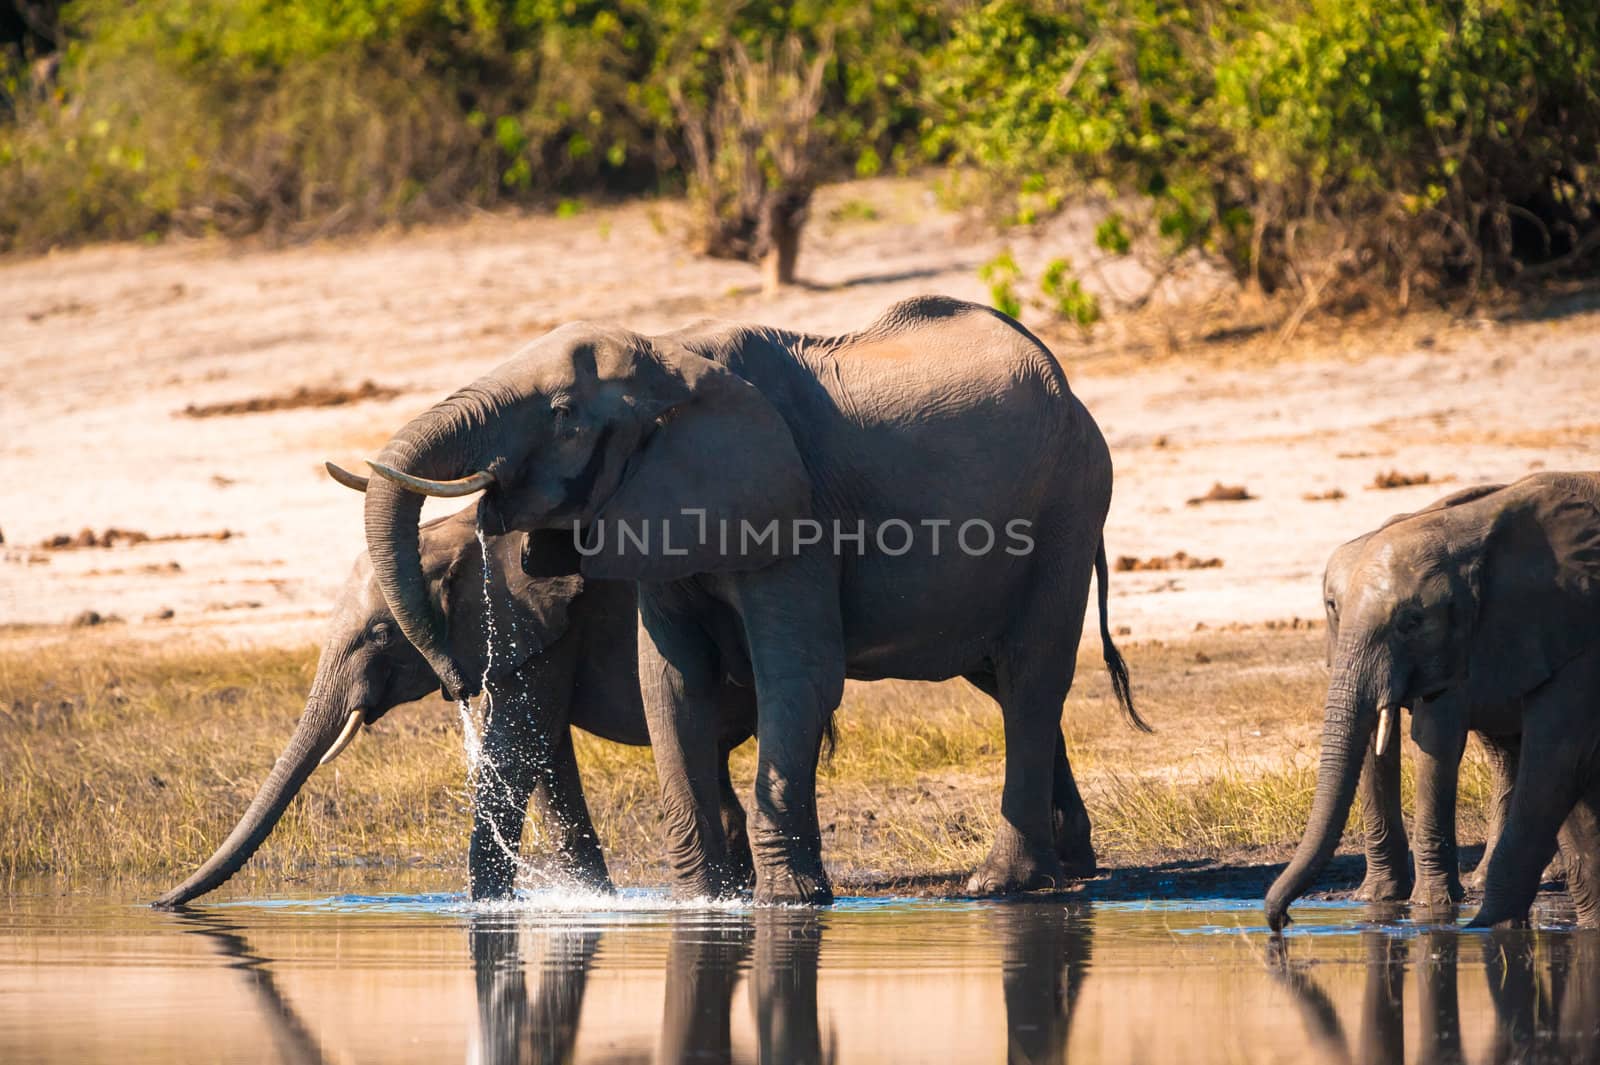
{"type": "Point", "coordinates": [101, 349]}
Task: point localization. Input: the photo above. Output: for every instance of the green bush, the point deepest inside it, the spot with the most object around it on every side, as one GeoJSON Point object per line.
{"type": "Point", "coordinates": [305, 116]}
{"type": "Point", "coordinates": [1318, 146]}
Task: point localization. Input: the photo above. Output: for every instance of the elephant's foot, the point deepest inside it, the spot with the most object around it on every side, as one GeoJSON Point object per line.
{"type": "Point", "coordinates": [1076, 855]}
{"type": "Point", "coordinates": [1485, 919]}
{"type": "Point", "coordinates": [709, 881]}
{"type": "Point", "coordinates": [1011, 869]}
{"type": "Point", "coordinates": [1436, 893]}
{"type": "Point", "coordinates": [1078, 864]}
{"type": "Point", "coordinates": [1383, 886]}
{"type": "Point", "coordinates": [792, 887]}
{"type": "Point", "coordinates": [586, 872]}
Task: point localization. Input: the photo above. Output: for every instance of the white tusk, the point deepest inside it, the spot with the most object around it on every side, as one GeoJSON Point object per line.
{"type": "Point", "coordinates": [346, 478]}
{"type": "Point", "coordinates": [351, 726]}
{"type": "Point", "coordinates": [461, 486]}
{"type": "Point", "coordinates": [1385, 726]}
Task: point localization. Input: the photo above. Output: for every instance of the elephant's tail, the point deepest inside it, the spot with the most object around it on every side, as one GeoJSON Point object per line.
{"type": "Point", "coordinates": [1114, 663]}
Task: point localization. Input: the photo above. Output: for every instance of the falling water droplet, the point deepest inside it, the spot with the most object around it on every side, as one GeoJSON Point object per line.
{"type": "Point", "coordinates": [484, 775]}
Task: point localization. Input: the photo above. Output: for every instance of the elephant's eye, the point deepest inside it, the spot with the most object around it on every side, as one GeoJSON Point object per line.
{"type": "Point", "coordinates": [381, 633]}
{"type": "Point", "coordinates": [1408, 623]}
{"type": "Point", "coordinates": [567, 426]}
{"type": "Point", "coordinates": [1333, 608]}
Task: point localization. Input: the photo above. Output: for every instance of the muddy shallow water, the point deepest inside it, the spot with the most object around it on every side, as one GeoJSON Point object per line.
{"type": "Point", "coordinates": [631, 979]}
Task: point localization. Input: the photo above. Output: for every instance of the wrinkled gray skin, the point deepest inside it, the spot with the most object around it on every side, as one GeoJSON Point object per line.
{"type": "Point", "coordinates": [563, 655]}
{"type": "Point", "coordinates": [1437, 880]}
{"type": "Point", "coordinates": [939, 411]}
{"type": "Point", "coordinates": [1493, 602]}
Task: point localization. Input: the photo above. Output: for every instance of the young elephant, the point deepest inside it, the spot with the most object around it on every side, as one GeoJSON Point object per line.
{"type": "Point", "coordinates": [563, 653]}
{"type": "Point", "coordinates": [1482, 612]}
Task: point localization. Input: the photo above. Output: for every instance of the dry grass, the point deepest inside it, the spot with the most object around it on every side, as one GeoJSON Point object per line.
{"type": "Point", "coordinates": [127, 761]}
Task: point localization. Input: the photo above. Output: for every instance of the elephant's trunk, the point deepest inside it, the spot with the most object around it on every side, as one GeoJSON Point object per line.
{"type": "Point", "coordinates": [1348, 722]}
{"type": "Point", "coordinates": [319, 728]}
{"type": "Point", "coordinates": [436, 444]}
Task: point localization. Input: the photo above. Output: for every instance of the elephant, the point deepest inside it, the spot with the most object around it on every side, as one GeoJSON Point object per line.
{"type": "Point", "coordinates": [562, 654]}
{"type": "Point", "coordinates": [1437, 881]}
{"type": "Point", "coordinates": [720, 458]}
{"type": "Point", "coordinates": [1484, 612]}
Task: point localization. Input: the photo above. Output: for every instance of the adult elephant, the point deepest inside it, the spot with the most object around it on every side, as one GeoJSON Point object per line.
{"type": "Point", "coordinates": [780, 498]}
{"type": "Point", "coordinates": [562, 655]}
{"type": "Point", "coordinates": [1436, 882]}
{"type": "Point", "coordinates": [1484, 612]}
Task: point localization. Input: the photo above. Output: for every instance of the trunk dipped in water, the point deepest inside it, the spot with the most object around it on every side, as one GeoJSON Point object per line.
{"type": "Point", "coordinates": [319, 727]}
{"type": "Point", "coordinates": [1349, 718]}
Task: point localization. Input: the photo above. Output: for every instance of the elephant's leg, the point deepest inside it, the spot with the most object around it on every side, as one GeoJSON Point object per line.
{"type": "Point", "coordinates": [1034, 675]}
{"type": "Point", "coordinates": [1070, 819]}
{"type": "Point", "coordinates": [1069, 816]}
{"type": "Point", "coordinates": [678, 681]}
{"type": "Point", "coordinates": [1502, 753]}
{"type": "Point", "coordinates": [1580, 847]}
{"type": "Point", "coordinates": [499, 812]}
{"type": "Point", "coordinates": [1440, 741]}
{"type": "Point", "coordinates": [566, 815]}
{"type": "Point", "coordinates": [1545, 794]}
{"type": "Point", "coordinates": [1388, 876]}
{"type": "Point", "coordinates": [740, 864]}
{"type": "Point", "coordinates": [1023, 857]}
{"type": "Point", "coordinates": [504, 783]}
{"type": "Point", "coordinates": [796, 643]}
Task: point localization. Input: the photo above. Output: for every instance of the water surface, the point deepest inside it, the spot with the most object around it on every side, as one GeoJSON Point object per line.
{"type": "Point", "coordinates": [425, 978]}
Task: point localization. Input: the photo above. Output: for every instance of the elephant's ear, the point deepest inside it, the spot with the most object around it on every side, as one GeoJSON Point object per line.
{"type": "Point", "coordinates": [523, 613]}
{"type": "Point", "coordinates": [715, 485]}
{"type": "Point", "coordinates": [1538, 589]}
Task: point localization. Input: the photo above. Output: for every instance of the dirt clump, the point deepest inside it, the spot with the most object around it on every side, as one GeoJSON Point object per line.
{"type": "Point", "coordinates": [1223, 493]}
{"type": "Point", "coordinates": [1323, 497]}
{"type": "Point", "coordinates": [1396, 479]}
{"type": "Point", "coordinates": [1176, 560]}
{"type": "Point", "coordinates": [304, 396]}
{"type": "Point", "coordinates": [91, 618]}
{"type": "Point", "coordinates": [111, 537]}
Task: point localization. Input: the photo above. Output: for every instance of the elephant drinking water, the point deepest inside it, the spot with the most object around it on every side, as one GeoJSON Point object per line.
{"type": "Point", "coordinates": [846, 458]}
{"type": "Point", "coordinates": [563, 655]}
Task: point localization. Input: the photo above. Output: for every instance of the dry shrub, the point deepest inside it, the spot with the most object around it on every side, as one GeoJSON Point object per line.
{"type": "Point", "coordinates": [755, 149]}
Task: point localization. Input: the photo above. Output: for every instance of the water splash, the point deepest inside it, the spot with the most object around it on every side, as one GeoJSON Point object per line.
{"type": "Point", "coordinates": [484, 772]}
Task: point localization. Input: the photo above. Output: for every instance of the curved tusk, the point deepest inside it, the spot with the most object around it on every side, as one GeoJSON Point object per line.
{"type": "Point", "coordinates": [352, 725]}
{"type": "Point", "coordinates": [462, 486]}
{"type": "Point", "coordinates": [346, 478]}
{"type": "Point", "coordinates": [1385, 727]}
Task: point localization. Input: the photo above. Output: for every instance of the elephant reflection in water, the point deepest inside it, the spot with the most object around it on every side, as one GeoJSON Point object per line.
{"type": "Point", "coordinates": [1047, 951]}
{"type": "Point", "coordinates": [291, 1038]}
{"type": "Point", "coordinates": [705, 960]}
{"type": "Point", "coordinates": [531, 980]}
{"type": "Point", "coordinates": [514, 1026]}
{"type": "Point", "coordinates": [1545, 991]}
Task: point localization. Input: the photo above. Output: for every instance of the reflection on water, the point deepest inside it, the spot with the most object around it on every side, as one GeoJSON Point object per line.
{"type": "Point", "coordinates": [425, 978]}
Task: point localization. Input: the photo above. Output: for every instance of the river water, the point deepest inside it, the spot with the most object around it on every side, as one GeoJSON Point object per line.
{"type": "Point", "coordinates": [634, 978]}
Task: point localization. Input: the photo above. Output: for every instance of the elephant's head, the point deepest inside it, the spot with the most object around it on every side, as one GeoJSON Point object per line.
{"type": "Point", "coordinates": [368, 667]}
{"type": "Point", "coordinates": [1489, 591]}
{"type": "Point", "coordinates": [646, 446]}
